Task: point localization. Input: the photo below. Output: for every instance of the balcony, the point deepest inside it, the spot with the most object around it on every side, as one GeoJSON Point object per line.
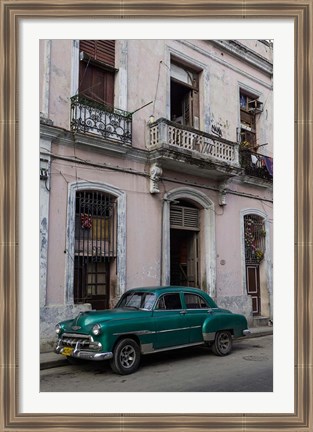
{"type": "Point", "coordinates": [175, 144]}
{"type": "Point", "coordinates": [257, 165]}
{"type": "Point", "coordinates": [112, 124]}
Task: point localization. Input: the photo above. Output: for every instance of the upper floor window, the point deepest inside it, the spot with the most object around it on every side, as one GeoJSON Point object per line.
{"type": "Point", "coordinates": [184, 95]}
{"type": "Point", "coordinates": [97, 70]}
{"type": "Point", "coordinates": [254, 235]}
{"type": "Point", "coordinates": [250, 106]}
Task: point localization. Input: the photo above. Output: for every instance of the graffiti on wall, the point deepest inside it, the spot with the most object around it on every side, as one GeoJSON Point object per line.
{"type": "Point", "coordinates": [218, 126]}
{"type": "Point", "coordinates": [216, 130]}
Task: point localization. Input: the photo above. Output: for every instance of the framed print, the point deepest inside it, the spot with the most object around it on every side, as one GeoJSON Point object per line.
{"type": "Point", "coordinates": [92, 215]}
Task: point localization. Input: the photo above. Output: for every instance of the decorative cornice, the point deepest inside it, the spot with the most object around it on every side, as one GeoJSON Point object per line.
{"type": "Point", "coordinates": [66, 137]}
{"type": "Point", "coordinates": [241, 71]}
{"type": "Point", "coordinates": [245, 54]}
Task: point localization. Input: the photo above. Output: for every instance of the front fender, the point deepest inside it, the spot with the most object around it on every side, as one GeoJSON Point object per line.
{"type": "Point", "coordinates": [215, 322]}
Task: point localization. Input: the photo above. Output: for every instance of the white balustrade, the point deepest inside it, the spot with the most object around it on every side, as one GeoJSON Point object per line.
{"type": "Point", "coordinates": [166, 133]}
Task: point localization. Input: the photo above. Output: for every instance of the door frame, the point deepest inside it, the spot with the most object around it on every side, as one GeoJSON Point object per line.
{"type": "Point", "coordinates": [207, 273]}
{"type": "Point", "coordinates": [193, 241]}
{"type": "Point", "coordinates": [70, 234]}
{"type": "Point", "coordinates": [255, 295]}
{"type": "Point", "coordinates": [267, 261]}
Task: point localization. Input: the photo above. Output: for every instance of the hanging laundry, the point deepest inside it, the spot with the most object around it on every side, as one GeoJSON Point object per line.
{"type": "Point", "coordinates": [254, 159]}
{"type": "Point", "coordinates": [269, 164]}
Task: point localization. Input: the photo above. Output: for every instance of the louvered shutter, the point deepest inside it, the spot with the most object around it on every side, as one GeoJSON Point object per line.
{"type": "Point", "coordinates": [100, 50]}
{"type": "Point", "coordinates": [191, 217]}
{"type": "Point", "coordinates": [184, 218]}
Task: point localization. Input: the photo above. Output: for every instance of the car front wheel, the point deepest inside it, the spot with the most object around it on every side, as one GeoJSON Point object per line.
{"type": "Point", "coordinates": [222, 344]}
{"type": "Point", "coordinates": [126, 357]}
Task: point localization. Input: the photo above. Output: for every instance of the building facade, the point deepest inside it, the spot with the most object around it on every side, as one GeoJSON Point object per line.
{"type": "Point", "coordinates": [156, 168]}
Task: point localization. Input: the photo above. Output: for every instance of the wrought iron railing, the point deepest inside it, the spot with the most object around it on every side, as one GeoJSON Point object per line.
{"type": "Point", "coordinates": [254, 231]}
{"type": "Point", "coordinates": [89, 116]}
{"type": "Point", "coordinates": [164, 132]}
{"type": "Point", "coordinates": [256, 165]}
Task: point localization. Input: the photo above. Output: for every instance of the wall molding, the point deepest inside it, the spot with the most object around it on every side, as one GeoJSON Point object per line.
{"type": "Point", "coordinates": [70, 234]}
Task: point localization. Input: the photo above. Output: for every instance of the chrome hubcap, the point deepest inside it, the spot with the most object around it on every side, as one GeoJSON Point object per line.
{"type": "Point", "coordinates": [223, 342]}
{"type": "Point", "coordinates": [127, 356]}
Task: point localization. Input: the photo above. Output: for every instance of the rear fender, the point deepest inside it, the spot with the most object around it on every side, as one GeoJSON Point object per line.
{"type": "Point", "coordinates": [235, 323]}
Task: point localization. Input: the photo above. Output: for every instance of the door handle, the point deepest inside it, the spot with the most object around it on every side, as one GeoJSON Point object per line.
{"type": "Point", "coordinates": [183, 312]}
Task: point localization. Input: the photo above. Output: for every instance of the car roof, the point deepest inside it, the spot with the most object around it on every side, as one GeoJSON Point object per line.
{"type": "Point", "coordinates": [167, 288]}
{"type": "Point", "coordinates": [171, 288]}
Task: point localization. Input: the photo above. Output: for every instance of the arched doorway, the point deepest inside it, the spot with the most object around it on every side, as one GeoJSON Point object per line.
{"type": "Point", "coordinates": [184, 243]}
{"type": "Point", "coordinates": [198, 245]}
{"type": "Point", "coordinates": [95, 247]}
{"type": "Point", "coordinates": [96, 244]}
{"type": "Point", "coordinates": [254, 241]}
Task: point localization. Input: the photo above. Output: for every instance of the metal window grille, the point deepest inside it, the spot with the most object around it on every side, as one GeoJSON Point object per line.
{"type": "Point", "coordinates": [95, 244]}
{"type": "Point", "coordinates": [254, 232]}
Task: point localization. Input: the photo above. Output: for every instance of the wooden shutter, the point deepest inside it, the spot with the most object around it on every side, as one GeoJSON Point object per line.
{"type": "Point", "coordinates": [187, 109]}
{"type": "Point", "coordinates": [253, 287]}
{"type": "Point", "coordinates": [184, 218]}
{"type": "Point", "coordinates": [97, 82]}
{"type": "Point", "coordinates": [195, 109]}
{"type": "Point", "coordinates": [100, 50]}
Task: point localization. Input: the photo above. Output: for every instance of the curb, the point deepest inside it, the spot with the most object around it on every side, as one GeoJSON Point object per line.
{"type": "Point", "coordinates": [53, 364]}
{"type": "Point", "coordinates": [257, 334]}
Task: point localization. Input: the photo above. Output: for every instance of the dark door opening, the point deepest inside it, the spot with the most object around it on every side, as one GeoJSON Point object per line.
{"type": "Point", "coordinates": [184, 95]}
{"type": "Point", "coordinates": [181, 108]}
{"type": "Point", "coordinates": [184, 258]}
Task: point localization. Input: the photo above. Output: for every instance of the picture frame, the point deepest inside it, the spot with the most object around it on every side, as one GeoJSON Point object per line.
{"type": "Point", "coordinates": [12, 13]}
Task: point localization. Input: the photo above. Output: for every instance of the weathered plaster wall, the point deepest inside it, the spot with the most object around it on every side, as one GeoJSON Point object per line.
{"type": "Point", "coordinates": [263, 48]}
{"type": "Point", "coordinates": [44, 197]}
{"type": "Point", "coordinates": [60, 82]}
{"type": "Point", "coordinates": [138, 82]}
{"type": "Point", "coordinates": [221, 76]}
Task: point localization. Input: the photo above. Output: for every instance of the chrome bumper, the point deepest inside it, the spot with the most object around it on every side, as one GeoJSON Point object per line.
{"type": "Point", "coordinates": [246, 332]}
{"type": "Point", "coordinates": [84, 354]}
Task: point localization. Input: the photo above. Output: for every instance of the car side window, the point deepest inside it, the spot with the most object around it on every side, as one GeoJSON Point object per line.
{"type": "Point", "coordinates": [194, 301]}
{"type": "Point", "coordinates": [169, 302]}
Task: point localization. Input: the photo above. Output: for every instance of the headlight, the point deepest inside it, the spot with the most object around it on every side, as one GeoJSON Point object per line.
{"type": "Point", "coordinates": [58, 329]}
{"type": "Point", "coordinates": [96, 329]}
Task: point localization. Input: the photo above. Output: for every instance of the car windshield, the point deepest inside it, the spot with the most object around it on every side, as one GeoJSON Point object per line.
{"type": "Point", "coordinates": [137, 300]}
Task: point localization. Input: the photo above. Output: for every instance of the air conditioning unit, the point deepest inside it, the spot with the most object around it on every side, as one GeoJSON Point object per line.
{"type": "Point", "coordinates": [83, 56]}
{"type": "Point", "coordinates": [255, 106]}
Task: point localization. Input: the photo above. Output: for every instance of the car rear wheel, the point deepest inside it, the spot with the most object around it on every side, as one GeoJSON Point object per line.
{"type": "Point", "coordinates": [126, 357]}
{"type": "Point", "coordinates": [222, 344]}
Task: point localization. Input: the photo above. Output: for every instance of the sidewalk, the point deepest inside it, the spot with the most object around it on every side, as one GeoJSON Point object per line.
{"type": "Point", "coordinates": [51, 360]}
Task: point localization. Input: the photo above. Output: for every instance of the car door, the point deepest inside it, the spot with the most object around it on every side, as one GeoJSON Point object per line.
{"type": "Point", "coordinates": [197, 310]}
{"type": "Point", "coordinates": [170, 322]}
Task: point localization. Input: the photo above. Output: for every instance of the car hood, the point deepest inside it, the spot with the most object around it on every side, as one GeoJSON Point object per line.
{"type": "Point", "coordinates": [88, 318]}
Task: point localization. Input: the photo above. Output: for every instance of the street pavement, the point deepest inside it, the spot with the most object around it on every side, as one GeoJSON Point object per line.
{"type": "Point", "coordinates": [249, 368]}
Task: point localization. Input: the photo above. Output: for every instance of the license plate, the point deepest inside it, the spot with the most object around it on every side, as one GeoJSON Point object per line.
{"type": "Point", "coordinates": [67, 351]}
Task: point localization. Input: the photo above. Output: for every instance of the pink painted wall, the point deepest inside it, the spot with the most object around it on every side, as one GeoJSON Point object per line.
{"type": "Point", "coordinates": [148, 80]}
{"type": "Point", "coordinates": [148, 69]}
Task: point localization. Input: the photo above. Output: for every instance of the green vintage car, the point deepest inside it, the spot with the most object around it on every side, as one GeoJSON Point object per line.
{"type": "Point", "coordinates": [149, 320]}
